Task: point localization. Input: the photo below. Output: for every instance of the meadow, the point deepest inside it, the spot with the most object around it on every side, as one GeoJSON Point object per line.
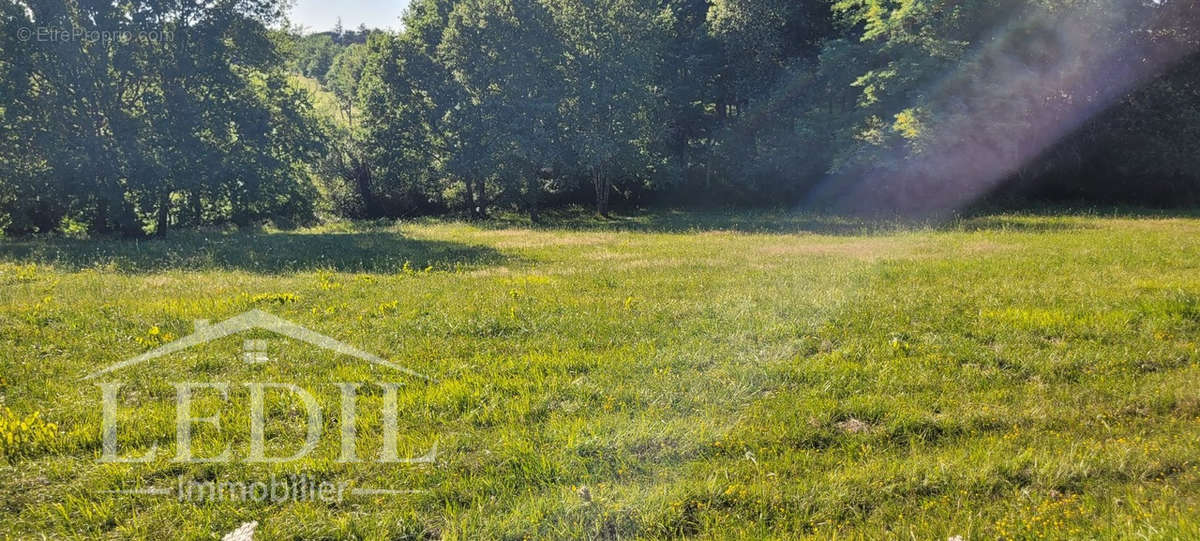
{"type": "Point", "coordinates": [668, 375]}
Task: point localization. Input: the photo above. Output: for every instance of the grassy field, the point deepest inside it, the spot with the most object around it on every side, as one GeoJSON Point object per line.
{"type": "Point", "coordinates": [669, 375]}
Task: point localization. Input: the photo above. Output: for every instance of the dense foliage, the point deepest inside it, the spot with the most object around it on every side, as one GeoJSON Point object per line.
{"type": "Point", "coordinates": [866, 105]}
{"type": "Point", "coordinates": [894, 106]}
{"type": "Point", "coordinates": [130, 115]}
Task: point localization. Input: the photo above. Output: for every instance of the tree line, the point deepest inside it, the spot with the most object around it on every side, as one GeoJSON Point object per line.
{"type": "Point", "coordinates": [148, 115]}
{"type": "Point", "coordinates": [475, 106]}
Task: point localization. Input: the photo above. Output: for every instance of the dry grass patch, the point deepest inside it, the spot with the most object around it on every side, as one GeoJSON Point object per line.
{"type": "Point", "coordinates": [863, 249]}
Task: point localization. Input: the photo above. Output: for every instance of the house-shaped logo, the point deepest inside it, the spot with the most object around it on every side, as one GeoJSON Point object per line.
{"type": "Point", "coordinates": [257, 448]}
{"type": "Point", "coordinates": [255, 351]}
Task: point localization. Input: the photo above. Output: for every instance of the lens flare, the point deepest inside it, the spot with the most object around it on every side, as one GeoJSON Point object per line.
{"type": "Point", "coordinates": [1031, 84]}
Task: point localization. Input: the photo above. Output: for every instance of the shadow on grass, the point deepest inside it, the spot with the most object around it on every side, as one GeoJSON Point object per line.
{"type": "Point", "coordinates": [1015, 224]}
{"type": "Point", "coordinates": [786, 222]}
{"type": "Point", "coordinates": [265, 253]}
{"type": "Point", "coordinates": [683, 222]}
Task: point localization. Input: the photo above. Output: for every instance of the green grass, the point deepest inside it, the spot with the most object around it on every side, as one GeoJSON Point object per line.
{"type": "Point", "coordinates": [703, 375]}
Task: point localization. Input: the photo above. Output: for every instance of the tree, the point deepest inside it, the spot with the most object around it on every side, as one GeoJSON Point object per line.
{"type": "Point", "coordinates": [955, 100]}
{"type": "Point", "coordinates": [452, 130]}
{"type": "Point", "coordinates": [503, 54]}
{"type": "Point", "coordinates": [612, 51]}
{"type": "Point", "coordinates": [347, 162]}
{"type": "Point", "coordinates": [394, 132]}
{"type": "Point", "coordinates": [315, 55]}
{"type": "Point", "coordinates": [191, 105]}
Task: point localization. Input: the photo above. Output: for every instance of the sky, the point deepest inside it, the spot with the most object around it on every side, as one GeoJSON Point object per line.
{"type": "Point", "coordinates": [321, 15]}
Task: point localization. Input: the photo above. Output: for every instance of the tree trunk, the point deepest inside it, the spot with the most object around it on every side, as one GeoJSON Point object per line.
{"type": "Point", "coordinates": [237, 211]}
{"type": "Point", "coordinates": [472, 208]}
{"type": "Point", "coordinates": [532, 197]}
{"type": "Point", "coordinates": [686, 157]}
{"type": "Point", "coordinates": [708, 166]}
{"type": "Point", "coordinates": [197, 217]}
{"type": "Point", "coordinates": [164, 214]}
{"type": "Point", "coordinates": [362, 182]}
{"type": "Point", "coordinates": [603, 188]}
{"type": "Point", "coordinates": [481, 198]}
{"type": "Point", "coordinates": [100, 219]}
